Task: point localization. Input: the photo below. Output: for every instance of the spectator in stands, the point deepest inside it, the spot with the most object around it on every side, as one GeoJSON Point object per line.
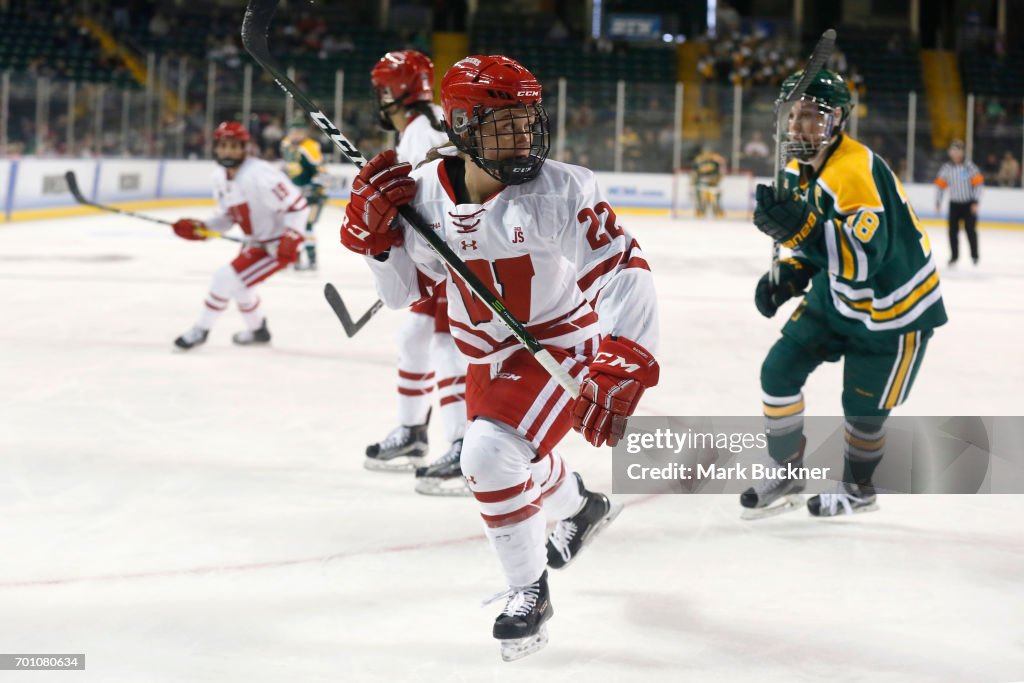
{"type": "Point", "coordinates": [837, 62]}
{"type": "Point", "coordinates": [558, 32]}
{"type": "Point", "coordinates": [727, 19]}
{"type": "Point", "coordinates": [756, 152]}
{"type": "Point", "coordinates": [990, 167]}
{"type": "Point", "coordinates": [756, 147]}
{"type": "Point", "coordinates": [227, 52]}
{"type": "Point", "coordinates": [271, 135]}
{"type": "Point", "coordinates": [583, 115]}
{"type": "Point", "coordinates": [158, 25]}
{"type": "Point", "coordinates": [1009, 170]}
{"type": "Point", "coordinates": [332, 46]}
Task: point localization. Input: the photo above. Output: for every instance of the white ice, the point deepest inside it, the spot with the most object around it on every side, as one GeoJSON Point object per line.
{"type": "Point", "coordinates": [205, 516]}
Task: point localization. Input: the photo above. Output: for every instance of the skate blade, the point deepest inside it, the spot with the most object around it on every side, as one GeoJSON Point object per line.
{"type": "Point", "coordinates": [435, 486]}
{"type": "Point", "coordinates": [786, 504]}
{"type": "Point", "coordinates": [399, 463]}
{"type": "Point", "coordinates": [517, 648]}
{"type": "Point", "coordinates": [613, 512]}
{"type": "Point", "coordinates": [873, 507]}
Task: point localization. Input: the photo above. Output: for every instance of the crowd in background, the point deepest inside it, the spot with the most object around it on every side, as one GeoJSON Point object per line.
{"type": "Point", "coordinates": [751, 56]}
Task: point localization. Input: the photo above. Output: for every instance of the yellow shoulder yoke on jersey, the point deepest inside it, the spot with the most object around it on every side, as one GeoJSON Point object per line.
{"type": "Point", "coordinates": [848, 178]}
{"type": "Point", "coordinates": [311, 149]}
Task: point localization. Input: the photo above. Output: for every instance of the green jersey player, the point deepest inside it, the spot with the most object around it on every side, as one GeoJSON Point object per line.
{"type": "Point", "coordinates": [304, 163]}
{"type": "Point", "coordinates": [874, 295]}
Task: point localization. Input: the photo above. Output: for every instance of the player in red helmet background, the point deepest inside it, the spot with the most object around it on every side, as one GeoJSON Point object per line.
{"type": "Point", "coordinates": [543, 237]}
{"type": "Point", "coordinates": [271, 212]}
{"type": "Point", "coordinates": [403, 82]}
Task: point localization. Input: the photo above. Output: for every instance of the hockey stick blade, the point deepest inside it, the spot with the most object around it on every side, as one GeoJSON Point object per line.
{"type": "Point", "coordinates": [255, 26]}
{"type": "Point", "coordinates": [340, 310]}
{"type": "Point", "coordinates": [76, 192]}
{"type": "Point", "coordinates": [73, 188]}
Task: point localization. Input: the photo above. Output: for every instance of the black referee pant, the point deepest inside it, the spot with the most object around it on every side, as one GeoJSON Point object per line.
{"type": "Point", "coordinates": [961, 211]}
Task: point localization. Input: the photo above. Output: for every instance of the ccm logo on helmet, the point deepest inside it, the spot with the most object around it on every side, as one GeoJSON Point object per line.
{"type": "Point", "coordinates": [528, 93]}
{"type": "Point", "coordinates": [613, 361]}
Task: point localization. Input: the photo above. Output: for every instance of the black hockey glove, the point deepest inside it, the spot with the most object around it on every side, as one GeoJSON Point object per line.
{"type": "Point", "coordinates": [788, 220]}
{"type": "Point", "coordinates": [793, 279]}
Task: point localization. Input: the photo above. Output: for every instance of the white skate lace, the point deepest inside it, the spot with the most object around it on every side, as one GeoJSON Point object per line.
{"type": "Point", "coordinates": [563, 534]}
{"type": "Point", "coordinates": [452, 455]}
{"type": "Point", "coordinates": [194, 334]}
{"type": "Point", "coordinates": [832, 501]}
{"type": "Point", "coordinates": [395, 438]}
{"type": "Point", "coordinates": [766, 485]}
{"type": "Point", "coordinates": [520, 600]}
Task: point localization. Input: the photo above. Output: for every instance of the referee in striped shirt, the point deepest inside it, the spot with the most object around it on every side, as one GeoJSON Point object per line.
{"type": "Point", "coordinates": [964, 182]}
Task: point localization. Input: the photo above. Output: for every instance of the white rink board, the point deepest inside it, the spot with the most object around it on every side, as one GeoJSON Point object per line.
{"type": "Point", "coordinates": [206, 517]}
{"type": "Point", "coordinates": [37, 186]}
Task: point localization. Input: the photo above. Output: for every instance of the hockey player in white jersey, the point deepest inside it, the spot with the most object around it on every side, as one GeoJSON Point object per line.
{"type": "Point", "coordinates": [403, 82]}
{"type": "Point", "coordinates": [271, 212]}
{"type": "Point", "coordinates": [543, 237]}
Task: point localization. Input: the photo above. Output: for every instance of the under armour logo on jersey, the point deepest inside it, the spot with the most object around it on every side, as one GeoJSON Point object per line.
{"type": "Point", "coordinates": [518, 238]}
{"type": "Point", "coordinates": [613, 361]}
{"type": "Point", "coordinates": [469, 244]}
{"type": "Point", "coordinates": [470, 478]}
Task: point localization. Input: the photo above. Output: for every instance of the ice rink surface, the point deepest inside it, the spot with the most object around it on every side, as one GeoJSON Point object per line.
{"type": "Point", "coordinates": [205, 516]}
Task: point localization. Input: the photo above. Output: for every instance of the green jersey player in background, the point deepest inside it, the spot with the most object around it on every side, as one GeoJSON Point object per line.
{"type": "Point", "coordinates": [304, 164]}
{"type": "Point", "coordinates": [874, 296]}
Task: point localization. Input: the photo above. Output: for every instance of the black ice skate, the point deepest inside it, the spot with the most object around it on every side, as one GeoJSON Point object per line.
{"type": "Point", "coordinates": [571, 535]}
{"type": "Point", "coordinates": [193, 337]}
{"type": "Point", "coordinates": [772, 496]}
{"type": "Point", "coordinates": [520, 626]}
{"type": "Point", "coordinates": [444, 476]}
{"type": "Point", "coordinates": [260, 335]}
{"type": "Point", "coordinates": [848, 499]}
{"type": "Point", "coordinates": [403, 449]}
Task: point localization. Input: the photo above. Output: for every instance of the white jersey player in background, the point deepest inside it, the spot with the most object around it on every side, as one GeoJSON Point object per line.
{"type": "Point", "coordinates": [271, 212]}
{"type": "Point", "coordinates": [403, 82]}
{"type": "Point", "coordinates": [543, 237]}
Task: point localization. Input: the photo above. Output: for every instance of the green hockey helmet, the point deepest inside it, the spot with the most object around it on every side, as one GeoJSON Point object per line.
{"type": "Point", "coordinates": [821, 113]}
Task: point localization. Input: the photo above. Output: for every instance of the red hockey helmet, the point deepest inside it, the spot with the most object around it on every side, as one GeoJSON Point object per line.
{"type": "Point", "coordinates": [231, 130]}
{"type": "Point", "coordinates": [474, 94]}
{"type": "Point", "coordinates": [403, 77]}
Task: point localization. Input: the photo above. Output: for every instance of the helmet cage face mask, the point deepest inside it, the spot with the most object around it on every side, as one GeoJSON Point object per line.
{"type": "Point", "coordinates": [510, 144]}
{"type": "Point", "coordinates": [812, 125]}
{"type": "Point", "coordinates": [386, 104]}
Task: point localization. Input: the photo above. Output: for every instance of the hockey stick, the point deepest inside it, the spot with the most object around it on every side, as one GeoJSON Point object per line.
{"type": "Point", "coordinates": [338, 306]}
{"type": "Point", "coordinates": [254, 37]}
{"type": "Point", "coordinates": [76, 192]}
{"type": "Point", "coordinates": [822, 51]}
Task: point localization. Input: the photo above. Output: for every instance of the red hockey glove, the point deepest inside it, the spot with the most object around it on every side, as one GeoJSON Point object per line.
{"type": "Point", "coordinates": [288, 247]}
{"type": "Point", "coordinates": [617, 377]}
{"type": "Point", "coordinates": [186, 229]}
{"type": "Point", "coordinates": [381, 187]}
